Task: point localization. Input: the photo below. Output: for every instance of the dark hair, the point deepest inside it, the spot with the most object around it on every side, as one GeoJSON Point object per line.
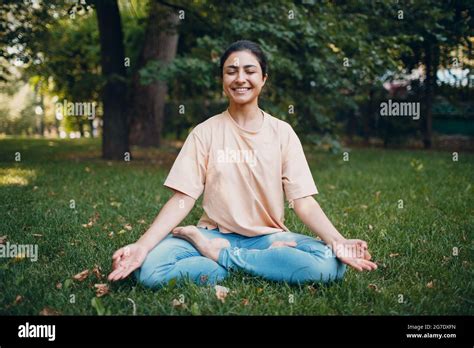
{"type": "Point", "coordinates": [245, 45]}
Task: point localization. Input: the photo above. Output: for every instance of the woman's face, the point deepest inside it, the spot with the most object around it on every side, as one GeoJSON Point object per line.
{"type": "Point", "coordinates": [242, 77]}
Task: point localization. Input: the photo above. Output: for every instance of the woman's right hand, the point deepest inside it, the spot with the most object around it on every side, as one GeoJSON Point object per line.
{"type": "Point", "coordinates": [126, 260]}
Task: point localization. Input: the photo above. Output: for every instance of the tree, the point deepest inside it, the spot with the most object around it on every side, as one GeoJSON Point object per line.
{"type": "Point", "coordinates": [115, 142]}
{"type": "Point", "coordinates": [148, 101]}
{"type": "Point", "coordinates": [432, 42]}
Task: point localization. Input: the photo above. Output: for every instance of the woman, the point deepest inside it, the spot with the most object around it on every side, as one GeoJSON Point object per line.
{"type": "Point", "coordinates": [245, 161]}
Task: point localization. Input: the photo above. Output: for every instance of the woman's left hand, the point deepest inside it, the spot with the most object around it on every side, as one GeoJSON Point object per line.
{"type": "Point", "coordinates": [355, 253]}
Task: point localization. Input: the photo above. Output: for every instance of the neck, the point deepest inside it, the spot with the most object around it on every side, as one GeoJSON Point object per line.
{"type": "Point", "coordinates": [245, 113]}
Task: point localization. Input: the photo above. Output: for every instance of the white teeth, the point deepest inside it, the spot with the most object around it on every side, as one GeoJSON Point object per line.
{"type": "Point", "coordinates": [241, 89]}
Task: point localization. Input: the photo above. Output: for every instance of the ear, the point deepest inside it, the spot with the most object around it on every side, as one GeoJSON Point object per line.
{"type": "Point", "coordinates": [265, 79]}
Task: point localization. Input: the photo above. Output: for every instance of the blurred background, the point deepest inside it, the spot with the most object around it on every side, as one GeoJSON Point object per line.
{"type": "Point", "coordinates": [143, 73]}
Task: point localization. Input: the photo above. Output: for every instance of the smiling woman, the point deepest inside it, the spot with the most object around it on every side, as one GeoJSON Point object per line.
{"type": "Point", "coordinates": [244, 73]}
{"type": "Point", "coordinates": [242, 227]}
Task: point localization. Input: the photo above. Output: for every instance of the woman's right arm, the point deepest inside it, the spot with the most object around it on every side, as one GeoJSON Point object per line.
{"type": "Point", "coordinates": [131, 257]}
{"type": "Point", "coordinates": [170, 216]}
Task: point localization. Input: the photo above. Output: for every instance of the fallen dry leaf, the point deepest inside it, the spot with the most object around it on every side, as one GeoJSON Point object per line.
{"type": "Point", "coordinates": [178, 304]}
{"type": "Point", "coordinates": [430, 285]}
{"type": "Point", "coordinates": [49, 311]}
{"type": "Point", "coordinates": [311, 289]}
{"type": "Point", "coordinates": [371, 227]}
{"type": "Point", "coordinates": [101, 289]}
{"type": "Point", "coordinates": [393, 255]}
{"type": "Point", "coordinates": [37, 235]}
{"type": "Point", "coordinates": [128, 227]}
{"type": "Point", "coordinates": [81, 276]}
{"type": "Point", "coordinates": [374, 287]}
{"type": "Point", "coordinates": [245, 301]}
{"type": "Point", "coordinates": [3, 239]}
{"type": "Point", "coordinates": [141, 221]}
{"type": "Point", "coordinates": [221, 292]}
{"type": "Point", "coordinates": [59, 285]}
{"type": "Point", "coordinates": [97, 272]}
{"type": "Point", "coordinates": [18, 299]}
{"type": "Point", "coordinates": [92, 220]}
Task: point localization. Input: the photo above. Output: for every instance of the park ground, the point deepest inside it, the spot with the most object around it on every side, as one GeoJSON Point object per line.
{"type": "Point", "coordinates": [414, 208]}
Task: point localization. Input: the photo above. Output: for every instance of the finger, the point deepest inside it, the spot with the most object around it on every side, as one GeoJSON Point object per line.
{"type": "Point", "coordinates": [360, 251]}
{"type": "Point", "coordinates": [119, 267]}
{"type": "Point", "coordinates": [116, 263]}
{"type": "Point", "coordinates": [121, 273]}
{"type": "Point", "coordinates": [118, 254]}
{"type": "Point", "coordinates": [367, 255]}
{"type": "Point", "coordinates": [354, 264]}
{"type": "Point", "coordinates": [127, 273]}
{"type": "Point", "coordinates": [113, 276]}
{"type": "Point", "coordinates": [368, 265]}
{"type": "Point", "coordinates": [362, 243]}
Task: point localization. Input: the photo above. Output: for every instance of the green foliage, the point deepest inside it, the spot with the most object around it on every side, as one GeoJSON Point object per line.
{"type": "Point", "coordinates": [306, 45]}
{"type": "Point", "coordinates": [325, 57]}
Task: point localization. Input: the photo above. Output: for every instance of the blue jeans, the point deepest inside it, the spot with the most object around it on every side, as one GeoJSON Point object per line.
{"type": "Point", "coordinates": [311, 260]}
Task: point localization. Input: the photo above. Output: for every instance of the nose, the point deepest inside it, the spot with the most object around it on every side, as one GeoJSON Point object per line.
{"type": "Point", "coordinates": [240, 77]}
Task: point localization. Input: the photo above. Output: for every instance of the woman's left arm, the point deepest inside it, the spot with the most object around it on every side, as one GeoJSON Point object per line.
{"type": "Point", "coordinates": [350, 251]}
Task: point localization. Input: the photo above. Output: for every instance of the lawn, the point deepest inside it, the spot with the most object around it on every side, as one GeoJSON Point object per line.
{"type": "Point", "coordinates": [414, 208]}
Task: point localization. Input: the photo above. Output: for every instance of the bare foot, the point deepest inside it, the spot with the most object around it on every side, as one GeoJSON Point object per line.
{"type": "Point", "coordinates": [280, 243]}
{"type": "Point", "coordinates": [207, 247]}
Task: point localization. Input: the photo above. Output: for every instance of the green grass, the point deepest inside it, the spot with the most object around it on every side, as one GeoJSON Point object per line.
{"type": "Point", "coordinates": [361, 197]}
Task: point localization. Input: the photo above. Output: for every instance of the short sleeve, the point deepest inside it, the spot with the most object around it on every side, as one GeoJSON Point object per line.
{"type": "Point", "coordinates": [296, 174]}
{"type": "Point", "coordinates": [188, 173]}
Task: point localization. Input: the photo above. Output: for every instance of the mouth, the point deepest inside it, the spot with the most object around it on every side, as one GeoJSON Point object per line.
{"type": "Point", "coordinates": [241, 90]}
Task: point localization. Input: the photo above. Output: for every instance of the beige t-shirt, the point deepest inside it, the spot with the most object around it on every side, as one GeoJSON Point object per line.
{"type": "Point", "coordinates": [244, 174]}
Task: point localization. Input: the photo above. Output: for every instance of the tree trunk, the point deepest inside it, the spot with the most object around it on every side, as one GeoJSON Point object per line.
{"type": "Point", "coordinates": [148, 101]}
{"type": "Point", "coordinates": [115, 129]}
{"type": "Point", "coordinates": [369, 116]}
{"type": "Point", "coordinates": [91, 126]}
{"type": "Point", "coordinates": [429, 81]}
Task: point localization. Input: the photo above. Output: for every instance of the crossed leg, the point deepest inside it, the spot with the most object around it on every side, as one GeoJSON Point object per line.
{"type": "Point", "coordinates": [179, 259]}
{"type": "Point", "coordinates": [207, 256]}
{"type": "Point", "coordinates": [283, 256]}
